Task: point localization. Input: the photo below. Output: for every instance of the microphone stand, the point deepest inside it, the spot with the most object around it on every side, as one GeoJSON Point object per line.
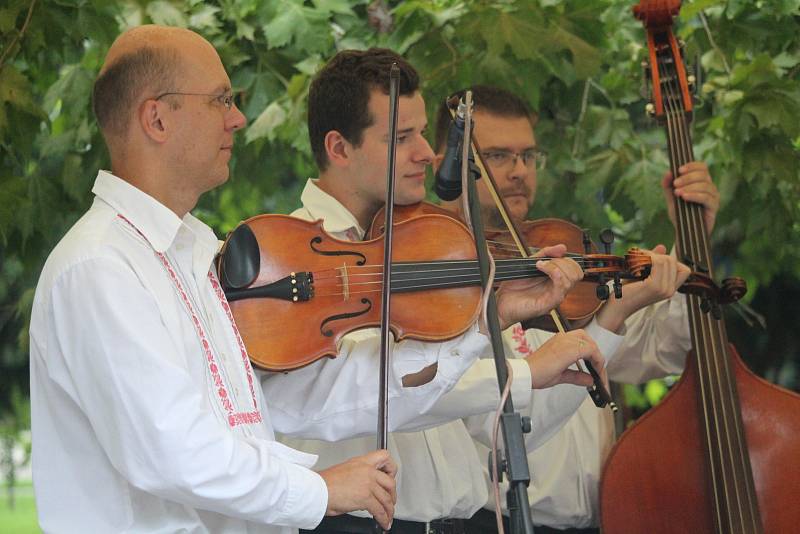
{"type": "Point", "coordinates": [513, 425]}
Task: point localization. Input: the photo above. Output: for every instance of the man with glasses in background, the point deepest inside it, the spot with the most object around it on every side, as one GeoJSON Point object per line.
{"type": "Point", "coordinates": [565, 470]}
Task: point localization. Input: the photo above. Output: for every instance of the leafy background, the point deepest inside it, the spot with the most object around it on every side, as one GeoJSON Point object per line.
{"type": "Point", "coordinates": [577, 62]}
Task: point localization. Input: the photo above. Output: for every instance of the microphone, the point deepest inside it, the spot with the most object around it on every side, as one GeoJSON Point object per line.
{"type": "Point", "coordinates": [448, 177]}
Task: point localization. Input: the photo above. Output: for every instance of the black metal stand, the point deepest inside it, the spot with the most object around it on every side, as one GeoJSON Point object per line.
{"type": "Point", "coordinates": [513, 425]}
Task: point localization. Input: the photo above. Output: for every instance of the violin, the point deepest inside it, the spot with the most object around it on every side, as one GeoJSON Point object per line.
{"type": "Point", "coordinates": [720, 452]}
{"type": "Point", "coordinates": [579, 304]}
{"type": "Point", "coordinates": [295, 291]}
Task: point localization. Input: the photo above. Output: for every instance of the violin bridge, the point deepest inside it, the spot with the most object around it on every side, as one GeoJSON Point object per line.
{"type": "Point", "coordinates": [345, 282]}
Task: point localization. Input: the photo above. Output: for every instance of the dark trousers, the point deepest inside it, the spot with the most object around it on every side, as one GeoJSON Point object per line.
{"type": "Point", "coordinates": [349, 524]}
{"type": "Point", "coordinates": [484, 522]}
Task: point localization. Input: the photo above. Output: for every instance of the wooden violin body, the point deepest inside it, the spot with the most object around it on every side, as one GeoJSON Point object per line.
{"type": "Point", "coordinates": [578, 306]}
{"type": "Point", "coordinates": [281, 334]}
{"type": "Point", "coordinates": [581, 303]}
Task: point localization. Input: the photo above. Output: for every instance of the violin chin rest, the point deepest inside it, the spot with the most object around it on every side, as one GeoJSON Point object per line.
{"type": "Point", "coordinates": [241, 259]}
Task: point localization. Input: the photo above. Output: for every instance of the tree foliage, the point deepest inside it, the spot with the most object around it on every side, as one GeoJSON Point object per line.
{"type": "Point", "coordinates": [576, 62]}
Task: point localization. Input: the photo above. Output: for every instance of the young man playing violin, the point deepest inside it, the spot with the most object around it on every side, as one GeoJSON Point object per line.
{"type": "Point", "coordinates": [565, 470]}
{"type": "Point", "coordinates": [440, 478]}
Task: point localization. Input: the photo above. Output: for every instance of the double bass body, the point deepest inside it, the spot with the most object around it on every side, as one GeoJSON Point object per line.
{"type": "Point", "coordinates": [657, 478]}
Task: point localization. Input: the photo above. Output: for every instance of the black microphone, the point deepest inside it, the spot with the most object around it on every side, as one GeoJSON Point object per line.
{"type": "Point", "coordinates": [448, 177]}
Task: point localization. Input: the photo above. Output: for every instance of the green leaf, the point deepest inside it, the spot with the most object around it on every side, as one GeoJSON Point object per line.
{"type": "Point", "coordinates": [266, 123]}
{"type": "Point", "coordinates": [205, 18]}
{"type": "Point", "coordinates": [343, 7]}
{"type": "Point", "coordinates": [689, 10]}
{"type": "Point", "coordinates": [16, 91]}
{"type": "Point", "coordinates": [165, 13]}
{"type": "Point", "coordinates": [586, 57]}
{"type": "Point", "coordinates": [309, 65]}
{"type": "Point", "coordinates": [73, 89]}
{"type": "Point", "coordinates": [8, 19]}
{"type": "Point", "coordinates": [283, 27]}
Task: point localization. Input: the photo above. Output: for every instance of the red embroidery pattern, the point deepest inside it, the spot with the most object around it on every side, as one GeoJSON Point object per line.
{"type": "Point", "coordinates": [245, 358]}
{"type": "Point", "coordinates": [234, 418]}
{"type": "Point", "coordinates": [518, 334]}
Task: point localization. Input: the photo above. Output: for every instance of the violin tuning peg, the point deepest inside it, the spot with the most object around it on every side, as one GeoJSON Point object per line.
{"type": "Point", "coordinates": [602, 292]}
{"type": "Point", "coordinates": [617, 287]}
{"type": "Point", "coordinates": [587, 241]}
{"type": "Point", "coordinates": [607, 238]}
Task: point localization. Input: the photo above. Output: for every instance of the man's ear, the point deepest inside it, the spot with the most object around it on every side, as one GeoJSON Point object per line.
{"type": "Point", "coordinates": [437, 161]}
{"type": "Point", "coordinates": [153, 121]}
{"type": "Point", "coordinates": [338, 149]}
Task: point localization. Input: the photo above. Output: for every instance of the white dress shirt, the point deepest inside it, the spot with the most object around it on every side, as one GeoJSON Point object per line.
{"type": "Point", "coordinates": [146, 413]}
{"type": "Point", "coordinates": [439, 471]}
{"type": "Point", "coordinates": [565, 471]}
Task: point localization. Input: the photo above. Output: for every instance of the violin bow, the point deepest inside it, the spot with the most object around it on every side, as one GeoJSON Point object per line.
{"type": "Point", "coordinates": [597, 391]}
{"type": "Point", "coordinates": [386, 347]}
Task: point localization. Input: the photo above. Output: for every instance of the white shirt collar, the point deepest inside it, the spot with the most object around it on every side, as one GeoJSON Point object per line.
{"type": "Point", "coordinates": [321, 205]}
{"type": "Point", "coordinates": [157, 223]}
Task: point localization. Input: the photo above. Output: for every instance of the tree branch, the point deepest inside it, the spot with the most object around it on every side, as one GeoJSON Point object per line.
{"type": "Point", "coordinates": [18, 37]}
{"type": "Point", "coordinates": [714, 43]}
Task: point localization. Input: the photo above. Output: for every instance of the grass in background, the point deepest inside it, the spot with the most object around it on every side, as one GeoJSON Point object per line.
{"type": "Point", "coordinates": [22, 519]}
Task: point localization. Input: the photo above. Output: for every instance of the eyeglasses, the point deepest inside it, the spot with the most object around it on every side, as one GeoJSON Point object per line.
{"type": "Point", "coordinates": [226, 99]}
{"type": "Point", "coordinates": [507, 159]}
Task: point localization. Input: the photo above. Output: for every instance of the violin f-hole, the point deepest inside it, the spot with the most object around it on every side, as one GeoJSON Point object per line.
{"type": "Point", "coordinates": [317, 240]}
{"type": "Point", "coordinates": [338, 317]}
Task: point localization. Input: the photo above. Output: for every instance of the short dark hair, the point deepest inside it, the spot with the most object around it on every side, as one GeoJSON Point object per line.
{"type": "Point", "coordinates": [488, 99]}
{"type": "Point", "coordinates": [338, 98]}
{"type": "Point", "coordinates": [117, 90]}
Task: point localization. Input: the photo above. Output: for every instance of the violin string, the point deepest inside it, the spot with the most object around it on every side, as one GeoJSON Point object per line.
{"type": "Point", "coordinates": [439, 284]}
{"type": "Point", "coordinates": [460, 265]}
{"type": "Point", "coordinates": [443, 279]}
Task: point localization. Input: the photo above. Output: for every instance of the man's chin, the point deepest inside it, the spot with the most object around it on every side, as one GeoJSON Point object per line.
{"type": "Point", "coordinates": [406, 198]}
{"type": "Point", "coordinates": [518, 208]}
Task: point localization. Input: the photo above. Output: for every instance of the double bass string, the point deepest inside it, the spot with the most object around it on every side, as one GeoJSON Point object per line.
{"type": "Point", "coordinates": [734, 466]}
{"type": "Point", "coordinates": [682, 241]}
{"type": "Point", "coordinates": [687, 249]}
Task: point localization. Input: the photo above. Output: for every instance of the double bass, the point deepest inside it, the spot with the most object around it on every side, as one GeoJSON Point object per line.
{"type": "Point", "coordinates": [721, 452]}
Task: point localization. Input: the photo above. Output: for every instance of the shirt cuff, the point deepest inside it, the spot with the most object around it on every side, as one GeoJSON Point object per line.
{"type": "Point", "coordinates": [521, 385]}
{"type": "Point", "coordinates": [607, 341]}
{"type": "Point", "coordinates": [307, 498]}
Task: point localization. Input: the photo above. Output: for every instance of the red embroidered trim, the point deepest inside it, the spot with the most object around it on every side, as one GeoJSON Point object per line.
{"type": "Point", "coordinates": [245, 358]}
{"type": "Point", "coordinates": [234, 418]}
{"type": "Point", "coordinates": [518, 334]}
